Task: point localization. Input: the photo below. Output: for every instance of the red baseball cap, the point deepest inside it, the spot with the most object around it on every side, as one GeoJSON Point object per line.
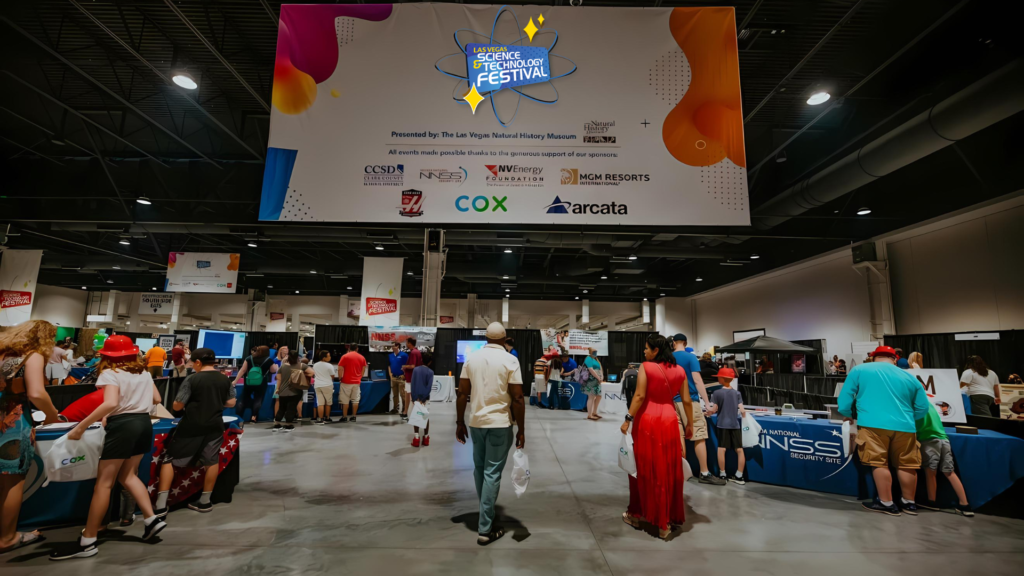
{"type": "Point", "coordinates": [884, 351]}
{"type": "Point", "coordinates": [118, 347]}
{"type": "Point", "coordinates": [726, 373]}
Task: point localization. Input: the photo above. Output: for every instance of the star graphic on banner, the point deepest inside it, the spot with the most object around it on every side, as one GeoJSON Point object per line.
{"type": "Point", "coordinates": [175, 491]}
{"type": "Point", "coordinates": [223, 450]}
{"type": "Point", "coordinates": [196, 474]}
{"type": "Point", "coordinates": [232, 443]}
{"type": "Point", "coordinates": [473, 98]}
{"type": "Point", "coordinates": [151, 488]}
{"type": "Point", "coordinates": [185, 482]}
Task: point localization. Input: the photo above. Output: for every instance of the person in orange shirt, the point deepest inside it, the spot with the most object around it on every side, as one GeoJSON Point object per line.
{"type": "Point", "coordinates": [155, 358]}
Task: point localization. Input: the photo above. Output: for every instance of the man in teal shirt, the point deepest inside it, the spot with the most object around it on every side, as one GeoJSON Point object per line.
{"type": "Point", "coordinates": [887, 403]}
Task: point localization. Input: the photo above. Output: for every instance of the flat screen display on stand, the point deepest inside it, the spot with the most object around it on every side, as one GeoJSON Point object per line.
{"type": "Point", "coordinates": [224, 344]}
{"type": "Point", "coordinates": [145, 343]}
{"type": "Point", "coordinates": [465, 348]}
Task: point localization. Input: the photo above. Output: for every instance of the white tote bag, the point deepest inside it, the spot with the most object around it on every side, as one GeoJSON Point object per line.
{"type": "Point", "coordinates": [626, 459]}
{"type": "Point", "coordinates": [520, 471]}
{"type": "Point", "coordinates": [687, 471]}
{"type": "Point", "coordinates": [75, 460]}
{"type": "Point", "coordinates": [751, 431]}
{"type": "Point", "coordinates": [420, 415]}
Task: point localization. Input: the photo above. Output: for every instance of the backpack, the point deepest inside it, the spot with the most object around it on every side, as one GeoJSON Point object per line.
{"type": "Point", "coordinates": [254, 377]}
{"type": "Point", "coordinates": [298, 379]}
{"type": "Point", "coordinates": [629, 387]}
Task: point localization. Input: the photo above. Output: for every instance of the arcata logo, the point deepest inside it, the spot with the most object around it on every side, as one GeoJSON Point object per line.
{"type": "Point", "coordinates": [412, 204]}
{"type": "Point", "coordinates": [559, 206]}
{"type": "Point", "coordinates": [514, 175]}
{"type": "Point", "coordinates": [12, 298]}
{"type": "Point", "coordinates": [481, 204]}
{"type": "Point", "coordinates": [445, 176]}
{"type": "Point", "coordinates": [383, 175]}
{"type": "Point", "coordinates": [572, 176]}
{"type": "Point", "coordinates": [377, 306]}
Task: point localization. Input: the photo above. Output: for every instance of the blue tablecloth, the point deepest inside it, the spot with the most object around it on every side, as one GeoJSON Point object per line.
{"type": "Point", "coordinates": [372, 393]}
{"type": "Point", "coordinates": [570, 396]}
{"type": "Point", "coordinates": [80, 372]}
{"type": "Point", "coordinates": [809, 454]}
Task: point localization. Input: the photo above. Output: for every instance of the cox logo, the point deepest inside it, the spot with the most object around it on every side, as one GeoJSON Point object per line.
{"type": "Point", "coordinates": [73, 460]}
{"type": "Point", "coordinates": [481, 203]}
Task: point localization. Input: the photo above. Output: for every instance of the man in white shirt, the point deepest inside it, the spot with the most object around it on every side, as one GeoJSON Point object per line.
{"type": "Point", "coordinates": [492, 383]}
{"type": "Point", "coordinates": [324, 374]}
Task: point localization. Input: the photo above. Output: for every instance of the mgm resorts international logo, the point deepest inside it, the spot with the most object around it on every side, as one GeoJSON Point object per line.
{"type": "Point", "coordinates": [383, 175]}
{"type": "Point", "coordinates": [573, 177]}
{"type": "Point", "coordinates": [559, 206]}
{"type": "Point", "coordinates": [514, 175]}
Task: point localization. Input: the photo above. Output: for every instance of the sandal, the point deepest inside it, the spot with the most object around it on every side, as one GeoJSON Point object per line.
{"type": "Point", "coordinates": [631, 520]}
{"type": "Point", "coordinates": [24, 539]}
{"type": "Point", "coordinates": [664, 534]}
{"type": "Point", "coordinates": [484, 540]}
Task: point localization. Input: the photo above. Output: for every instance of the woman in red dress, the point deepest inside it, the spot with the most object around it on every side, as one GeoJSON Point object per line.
{"type": "Point", "coordinates": [656, 494]}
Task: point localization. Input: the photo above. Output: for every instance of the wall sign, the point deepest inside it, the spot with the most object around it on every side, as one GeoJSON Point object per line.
{"type": "Point", "coordinates": [202, 272]}
{"type": "Point", "coordinates": [156, 303]}
{"type": "Point", "coordinates": [943, 389]}
{"type": "Point", "coordinates": [18, 272]}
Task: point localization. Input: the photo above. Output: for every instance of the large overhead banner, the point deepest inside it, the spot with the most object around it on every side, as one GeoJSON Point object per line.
{"type": "Point", "coordinates": [18, 272]}
{"type": "Point", "coordinates": [201, 272]}
{"type": "Point", "coordinates": [445, 113]}
{"type": "Point", "coordinates": [574, 342]}
{"type": "Point", "coordinates": [382, 292]}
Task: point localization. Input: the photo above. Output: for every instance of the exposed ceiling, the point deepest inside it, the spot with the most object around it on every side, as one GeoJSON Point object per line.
{"type": "Point", "coordinates": [89, 80]}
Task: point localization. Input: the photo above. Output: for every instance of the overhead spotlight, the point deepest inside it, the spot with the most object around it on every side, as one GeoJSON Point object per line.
{"type": "Point", "coordinates": [312, 271]}
{"type": "Point", "coordinates": [604, 277]}
{"type": "Point", "coordinates": [124, 242]}
{"type": "Point", "coordinates": [662, 293]}
{"type": "Point", "coordinates": [409, 273]}
{"type": "Point", "coordinates": [508, 250]}
{"type": "Point", "coordinates": [819, 97]}
{"type": "Point", "coordinates": [296, 291]}
{"type": "Point", "coordinates": [110, 281]}
{"type": "Point", "coordinates": [781, 157]}
{"type": "Point", "coordinates": [269, 286]}
{"type": "Point", "coordinates": [251, 244]}
{"type": "Point", "coordinates": [632, 256]}
{"type": "Point", "coordinates": [577, 297]}
{"type": "Point", "coordinates": [645, 299]}
{"type": "Point", "coordinates": [699, 279]}
{"type": "Point", "coordinates": [348, 288]}
{"type": "Point", "coordinates": [154, 287]}
{"type": "Point", "coordinates": [506, 290]}
{"type": "Point", "coordinates": [185, 80]}
{"type": "Point", "coordinates": [864, 211]}
{"type": "Point", "coordinates": [84, 288]}
{"type": "Point", "coordinates": [143, 200]}
{"type": "Point", "coordinates": [586, 291]}
{"type": "Point", "coordinates": [754, 256]}
{"type": "Point", "coordinates": [117, 267]}
{"type": "Point", "coordinates": [504, 277]}
{"type": "Point", "coordinates": [379, 247]}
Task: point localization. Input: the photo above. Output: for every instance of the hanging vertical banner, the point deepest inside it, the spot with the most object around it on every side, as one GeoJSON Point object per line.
{"type": "Point", "coordinates": [18, 272]}
{"type": "Point", "coordinates": [382, 291]}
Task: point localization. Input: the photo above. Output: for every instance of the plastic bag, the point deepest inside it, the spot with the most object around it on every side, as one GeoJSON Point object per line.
{"type": "Point", "coordinates": [687, 471]}
{"type": "Point", "coordinates": [849, 438]}
{"type": "Point", "coordinates": [520, 471]}
{"type": "Point", "coordinates": [74, 460]}
{"type": "Point", "coordinates": [626, 459]}
{"type": "Point", "coordinates": [420, 415]}
{"type": "Point", "coordinates": [751, 431]}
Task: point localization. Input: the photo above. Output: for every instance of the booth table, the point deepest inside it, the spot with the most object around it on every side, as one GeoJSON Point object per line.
{"type": "Point", "coordinates": [809, 454]}
{"type": "Point", "coordinates": [68, 502]}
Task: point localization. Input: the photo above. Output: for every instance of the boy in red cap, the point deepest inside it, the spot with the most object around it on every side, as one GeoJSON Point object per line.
{"type": "Point", "coordinates": [728, 404]}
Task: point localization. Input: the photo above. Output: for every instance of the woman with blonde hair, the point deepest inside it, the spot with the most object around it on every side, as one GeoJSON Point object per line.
{"type": "Point", "coordinates": [916, 360]}
{"type": "Point", "coordinates": [24, 352]}
{"type": "Point", "coordinates": [128, 395]}
{"type": "Point", "coordinates": [592, 385]}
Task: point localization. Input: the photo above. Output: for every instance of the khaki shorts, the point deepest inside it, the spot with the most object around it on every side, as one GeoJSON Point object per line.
{"type": "Point", "coordinates": [878, 447]}
{"type": "Point", "coordinates": [349, 393]}
{"type": "Point", "coordinates": [700, 424]}
{"type": "Point", "coordinates": [324, 395]}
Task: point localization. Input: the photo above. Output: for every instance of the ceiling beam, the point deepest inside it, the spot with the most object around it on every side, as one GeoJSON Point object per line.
{"type": "Point", "coordinates": [106, 171]}
{"type": "Point", "coordinates": [22, 146]}
{"type": "Point", "coordinates": [174, 87]}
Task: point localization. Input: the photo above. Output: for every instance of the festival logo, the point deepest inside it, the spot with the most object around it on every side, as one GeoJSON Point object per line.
{"type": "Point", "coordinates": [412, 204]}
{"type": "Point", "coordinates": [12, 298]}
{"type": "Point", "coordinates": [504, 63]}
{"type": "Point", "coordinates": [445, 176]}
{"type": "Point", "coordinates": [377, 306]}
{"type": "Point", "coordinates": [383, 175]}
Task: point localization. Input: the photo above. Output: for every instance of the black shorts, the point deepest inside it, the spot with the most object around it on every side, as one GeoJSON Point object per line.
{"type": "Point", "coordinates": [189, 452]}
{"type": "Point", "coordinates": [127, 435]}
{"type": "Point", "coordinates": [730, 438]}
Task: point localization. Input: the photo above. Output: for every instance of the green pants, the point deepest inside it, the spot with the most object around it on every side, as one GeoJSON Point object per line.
{"type": "Point", "coordinates": [490, 452]}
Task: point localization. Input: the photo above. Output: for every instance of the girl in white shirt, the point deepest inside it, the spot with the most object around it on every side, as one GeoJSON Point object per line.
{"type": "Point", "coordinates": [981, 387]}
{"type": "Point", "coordinates": [128, 396]}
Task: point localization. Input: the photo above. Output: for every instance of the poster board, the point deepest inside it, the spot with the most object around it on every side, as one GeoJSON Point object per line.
{"type": "Point", "coordinates": [1011, 406]}
{"type": "Point", "coordinates": [202, 272]}
{"type": "Point", "coordinates": [574, 342]}
{"type": "Point", "coordinates": [943, 389]}
{"type": "Point", "coordinates": [381, 337]}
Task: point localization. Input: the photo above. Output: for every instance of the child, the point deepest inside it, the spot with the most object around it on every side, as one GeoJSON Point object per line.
{"type": "Point", "coordinates": [727, 402]}
{"type": "Point", "coordinates": [936, 453]}
{"type": "Point", "coordinates": [422, 383]}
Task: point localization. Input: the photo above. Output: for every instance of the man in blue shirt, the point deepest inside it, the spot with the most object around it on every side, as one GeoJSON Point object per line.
{"type": "Point", "coordinates": [901, 362]}
{"type": "Point", "coordinates": [887, 403]}
{"type": "Point", "coordinates": [568, 367]}
{"type": "Point", "coordinates": [510, 347]}
{"type": "Point", "coordinates": [691, 365]}
{"type": "Point", "coordinates": [396, 361]}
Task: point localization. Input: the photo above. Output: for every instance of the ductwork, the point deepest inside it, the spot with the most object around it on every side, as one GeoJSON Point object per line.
{"type": "Point", "coordinates": [982, 104]}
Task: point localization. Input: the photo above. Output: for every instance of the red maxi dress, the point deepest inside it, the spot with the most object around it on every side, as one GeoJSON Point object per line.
{"type": "Point", "coordinates": [656, 494]}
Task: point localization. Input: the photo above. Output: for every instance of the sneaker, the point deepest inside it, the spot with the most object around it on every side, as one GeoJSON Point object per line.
{"type": "Point", "coordinates": [288, 428]}
{"type": "Point", "coordinates": [416, 442]}
{"type": "Point", "coordinates": [738, 480]}
{"type": "Point", "coordinates": [352, 419]}
{"type": "Point", "coordinates": [877, 506]}
{"type": "Point", "coordinates": [74, 550]}
{"type": "Point", "coordinates": [405, 418]}
{"type": "Point", "coordinates": [928, 505]}
{"type": "Point", "coordinates": [709, 479]}
{"type": "Point", "coordinates": [199, 507]}
{"type": "Point", "coordinates": [315, 421]}
{"type": "Point", "coordinates": [328, 421]}
{"type": "Point", "coordinates": [161, 513]}
{"type": "Point", "coordinates": [964, 510]}
{"type": "Point", "coordinates": [155, 528]}
{"type": "Point", "coordinates": [276, 428]}
{"type": "Point", "coordinates": [908, 507]}
{"type": "Point", "coordinates": [319, 422]}
{"type": "Point", "coordinates": [395, 411]}
{"type": "Point", "coordinates": [343, 419]}
{"type": "Point", "coordinates": [426, 440]}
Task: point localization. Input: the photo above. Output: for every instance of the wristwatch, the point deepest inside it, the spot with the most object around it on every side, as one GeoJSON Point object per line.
{"type": "Point", "coordinates": [629, 418]}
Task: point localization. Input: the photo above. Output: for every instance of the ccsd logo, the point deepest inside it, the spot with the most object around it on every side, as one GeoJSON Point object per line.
{"type": "Point", "coordinates": [383, 175]}
{"type": "Point", "coordinates": [559, 206]}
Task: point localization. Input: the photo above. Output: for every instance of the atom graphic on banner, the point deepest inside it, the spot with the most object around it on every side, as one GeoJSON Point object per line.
{"type": "Point", "coordinates": [465, 92]}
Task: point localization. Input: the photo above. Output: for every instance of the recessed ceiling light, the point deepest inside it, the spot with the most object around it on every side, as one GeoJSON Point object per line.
{"type": "Point", "coordinates": [662, 293]}
{"type": "Point", "coordinates": [409, 273]}
{"type": "Point", "coordinates": [269, 286]}
{"type": "Point", "coordinates": [154, 287]}
{"type": "Point", "coordinates": [632, 256]}
{"type": "Point", "coordinates": [378, 247]}
{"type": "Point", "coordinates": [818, 98]}
{"type": "Point", "coordinates": [645, 299]}
{"type": "Point", "coordinates": [185, 80]}
{"type": "Point", "coordinates": [312, 271]}
{"type": "Point", "coordinates": [506, 289]}
{"type": "Point", "coordinates": [504, 277]}
{"type": "Point", "coordinates": [586, 291]}
{"type": "Point", "coordinates": [117, 267]}
{"type": "Point", "coordinates": [863, 211]}
{"type": "Point", "coordinates": [252, 244]}
{"type": "Point", "coordinates": [296, 291]}
{"type": "Point", "coordinates": [508, 250]}
{"type": "Point", "coordinates": [124, 242]}
{"type": "Point", "coordinates": [699, 279]}
{"type": "Point", "coordinates": [110, 281]}
{"type": "Point", "coordinates": [754, 256]}
{"type": "Point", "coordinates": [604, 277]}
{"type": "Point", "coordinates": [143, 200]}
{"type": "Point", "coordinates": [84, 288]}
{"type": "Point", "coordinates": [348, 288]}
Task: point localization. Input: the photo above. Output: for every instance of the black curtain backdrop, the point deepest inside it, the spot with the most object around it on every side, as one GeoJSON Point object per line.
{"type": "Point", "coordinates": [1005, 356]}
{"type": "Point", "coordinates": [289, 339]}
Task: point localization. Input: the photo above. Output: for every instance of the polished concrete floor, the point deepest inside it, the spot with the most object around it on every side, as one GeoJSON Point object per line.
{"type": "Point", "coordinates": [357, 499]}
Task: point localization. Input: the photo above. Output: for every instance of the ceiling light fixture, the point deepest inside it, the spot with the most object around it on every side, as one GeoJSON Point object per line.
{"type": "Point", "coordinates": [781, 157]}
{"type": "Point", "coordinates": [312, 271]}
{"type": "Point", "coordinates": [84, 288]}
{"type": "Point", "coordinates": [296, 291]}
{"type": "Point", "coordinates": [819, 97]}
{"type": "Point", "coordinates": [154, 287]}
{"type": "Point", "coordinates": [632, 256]}
{"type": "Point", "coordinates": [409, 273]}
{"type": "Point", "coordinates": [269, 286]}
{"type": "Point", "coordinates": [110, 281]}
{"type": "Point", "coordinates": [508, 250]}
{"type": "Point", "coordinates": [586, 291]}
{"type": "Point", "coordinates": [185, 80]}
{"type": "Point", "coordinates": [379, 247]}
{"type": "Point", "coordinates": [604, 277]}
{"type": "Point", "coordinates": [124, 242]}
{"type": "Point", "coordinates": [864, 211]}
{"type": "Point", "coordinates": [252, 244]}
{"type": "Point", "coordinates": [117, 267]}
{"type": "Point", "coordinates": [699, 279]}
{"type": "Point", "coordinates": [143, 200]}
{"type": "Point", "coordinates": [506, 289]}
{"type": "Point", "coordinates": [504, 277]}
{"type": "Point", "coordinates": [662, 293]}
{"type": "Point", "coordinates": [754, 256]}
{"type": "Point", "coordinates": [348, 288]}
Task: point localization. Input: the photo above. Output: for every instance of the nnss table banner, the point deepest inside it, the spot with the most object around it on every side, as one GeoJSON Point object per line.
{"type": "Point", "coordinates": [453, 113]}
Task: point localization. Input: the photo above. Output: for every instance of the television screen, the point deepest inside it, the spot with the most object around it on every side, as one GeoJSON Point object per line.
{"type": "Point", "coordinates": [224, 344]}
{"type": "Point", "coordinates": [466, 348]}
{"type": "Point", "coordinates": [145, 343]}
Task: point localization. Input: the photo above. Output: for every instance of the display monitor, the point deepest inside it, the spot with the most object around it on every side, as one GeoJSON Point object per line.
{"type": "Point", "coordinates": [229, 345]}
{"type": "Point", "coordinates": [145, 343]}
{"type": "Point", "coordinates": [466, 348]}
